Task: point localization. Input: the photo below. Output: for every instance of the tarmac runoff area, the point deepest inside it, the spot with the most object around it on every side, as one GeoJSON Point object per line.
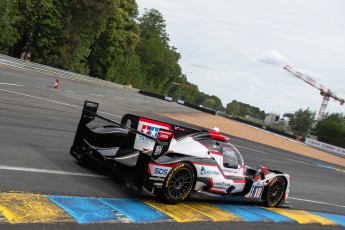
{"type": "Point", "coordinates": [237, 129]}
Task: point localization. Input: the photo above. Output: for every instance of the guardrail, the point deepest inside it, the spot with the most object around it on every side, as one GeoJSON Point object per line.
{"type": "Point", "coordinates": [36, 67]}
{"type": "Point", "coordinates": [325, 146]}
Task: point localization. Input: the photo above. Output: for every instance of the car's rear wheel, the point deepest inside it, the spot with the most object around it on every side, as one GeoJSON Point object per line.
{"type": "Point", "coordinates": [178, 184]}
{"type": "Point", "coordinates": [274, 192]}
{"type": "Point", "coordinates": [82, 159]}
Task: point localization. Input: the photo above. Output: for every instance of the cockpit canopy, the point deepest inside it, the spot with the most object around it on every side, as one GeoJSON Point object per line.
{"type": "Point", "coordinates": [231, 156]}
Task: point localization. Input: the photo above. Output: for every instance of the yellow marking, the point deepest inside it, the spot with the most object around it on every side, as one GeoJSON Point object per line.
{"type": "Point", "coordinates": [303, 217]}
{"type": "Point", "coordinates": [31, 208]}
{"type": "Point", "coordinates": [180, 212]}
{"type": "Point", "coordinates": [215, 213]}
{"type": "Point", "coordinates": [340, 170]}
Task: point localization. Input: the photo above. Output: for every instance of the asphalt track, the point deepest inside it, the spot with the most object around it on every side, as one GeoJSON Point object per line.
{"type": "Point", "coordinates": [41, 183]}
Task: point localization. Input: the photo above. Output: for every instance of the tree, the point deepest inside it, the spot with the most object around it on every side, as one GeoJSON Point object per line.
{"type": "Point", "coordinates": [302, 122]}
{"type": "Point", "coordinates": [37, 24]}
{"type": "Point", "coordinates": [218, 104]}
{"type": "Point", "coordinates": [8, 35]}
{"type": "Point", "coordinates": [233, 108]}
{"type": "Point", "coordinates": [331, 129]}
{"type": "Point", "coordinates": [83, 22]}
{"type": "Point", "coordinates": [236, 108]}
{"type": "Point", "coordinates": [113, 54]}
{"type": "Point", "coordinates": [209, 103]}
{"type": "Point", "coordinates": [158, 60]}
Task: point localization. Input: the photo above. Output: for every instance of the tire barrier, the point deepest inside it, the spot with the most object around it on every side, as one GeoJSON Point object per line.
{"type": "Point", "coordinates": [146, 93]}
{"type": "Point", "coordinates": [167, 98]}
{"type": "Point", "coordinates": [202, 109]}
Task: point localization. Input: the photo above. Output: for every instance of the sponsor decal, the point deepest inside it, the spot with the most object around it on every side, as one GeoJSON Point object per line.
{"type": "Point", "coordinates": [257, 192]}
{"type": "Point", "coordinates": [90, 104]}
{"type": "Point", "coordinates": [160, 171]}
{"type": "Point", "coordinates": [164, 135]}
{"type": "Point", "coordinates": [203, 171]}
{"type": "Point", "coordinates": [159, 185]}
{"type": "Point", "coordinates": [156, 178]}
{"type": "Point", "coordinates": [150, 130]}
{"type": "Point", "coordinates": [230, 170]}
{"type": "Point", "coordinates": [158, 150]}
{"type": "Point", "coordinates": [221, 183]}
{"type": "Point", "coordinates": [149, 127]}
{"type": "Point", "coordinates": [324, 146]}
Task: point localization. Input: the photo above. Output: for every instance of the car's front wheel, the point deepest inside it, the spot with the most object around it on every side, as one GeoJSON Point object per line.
{"type": "Point", "coordinates": [178, 184]}
{"type": "Point", "coordinates": [274, 192]}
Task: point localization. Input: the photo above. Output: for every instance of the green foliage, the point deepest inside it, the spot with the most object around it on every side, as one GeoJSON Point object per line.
{"type": "Point", "coordinates": [302, 122]}
{"type": "Point", "coordinates": [158, 60]}
{"type": "Point", "coordinates": [105, 39]}
{"type": "Point", "coordinates": [209, 103]}
{"type": "Point", "coordinates": [113, 54]}
{"type": "Point", "coordinates": [83, 23]}
{"type": "Point", "coordinates": [331, 129]}
{"type": "Point", "coordinates": [236, 108]}
{"type": "Point", "coordinates": [37, 22]}
{"type": "Point", "coordinates": [8, 35]}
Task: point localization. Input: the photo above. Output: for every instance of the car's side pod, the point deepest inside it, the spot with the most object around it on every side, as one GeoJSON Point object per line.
{"type": "Point", "coordinates": [161, 146]}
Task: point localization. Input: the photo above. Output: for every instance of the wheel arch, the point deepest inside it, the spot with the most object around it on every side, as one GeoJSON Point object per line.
{"type": "Point", "coordinates": [194, 170]}
{"type": "Point", "coordinates": [286, 181]}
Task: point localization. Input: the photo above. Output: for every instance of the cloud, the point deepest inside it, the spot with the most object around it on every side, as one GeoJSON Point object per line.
{"type": "Point", "coordinates": [252, 89]}
{"type": "Point", "coordinates": [272, 57]}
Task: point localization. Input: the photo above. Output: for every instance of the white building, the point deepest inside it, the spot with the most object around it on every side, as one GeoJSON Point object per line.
{"type": "Point", "coordinates": [271, 119]}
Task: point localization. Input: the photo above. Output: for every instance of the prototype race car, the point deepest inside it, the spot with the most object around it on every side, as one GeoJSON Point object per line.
{"type": "Point", "coordinates": [173, 162]}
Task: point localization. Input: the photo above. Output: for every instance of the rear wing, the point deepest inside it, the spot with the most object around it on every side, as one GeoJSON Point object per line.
{"type": "Point", "coordinates": [144, 133]}
{"type": "Point", "coordinates": [88, 115]}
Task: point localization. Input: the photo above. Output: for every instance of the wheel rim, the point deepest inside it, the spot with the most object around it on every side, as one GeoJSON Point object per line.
{"type": "Point", "coordinates": [180, 183]}
{"type": "Point", "coordinates": [276, 191]}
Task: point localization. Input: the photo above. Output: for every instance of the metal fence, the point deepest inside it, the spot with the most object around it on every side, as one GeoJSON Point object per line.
{"type": "Point", "coordinates": [39, 68]}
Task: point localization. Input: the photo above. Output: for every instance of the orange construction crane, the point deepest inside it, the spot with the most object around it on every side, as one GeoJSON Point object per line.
{"type": "Point", "coordinates": [326, 93]}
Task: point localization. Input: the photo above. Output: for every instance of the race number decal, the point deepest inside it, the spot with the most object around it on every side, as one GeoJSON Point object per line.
{"type": "Point", "coordinates": [257, 192]}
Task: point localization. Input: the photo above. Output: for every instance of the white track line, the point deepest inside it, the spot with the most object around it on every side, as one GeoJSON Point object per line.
{"type": "Point", "coordinates": [96, 95]}
{"type": "Point", "coordinates": [59, 172]}
{"type": "Point", "coordinates": [318, 202]}
{"type": "Point", "coordinates": [57, 102]}
{"type": "Point", "coordinates": [255, 150]}
{"type": "Point", "coordinates": [4, 83]}
{"type": "Point", "coordinates": [302, 162]}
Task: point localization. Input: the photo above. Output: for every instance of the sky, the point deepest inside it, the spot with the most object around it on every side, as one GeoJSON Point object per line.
{"type": "Point", "coordinates": [235, 50]}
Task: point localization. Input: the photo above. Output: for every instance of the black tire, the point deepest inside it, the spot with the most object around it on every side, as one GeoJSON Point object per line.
{"type": "Point", "coordinates": [178, 184]}
{"type": "Point", "coordinates": [274, 192]}
{"type": "Point", "coordinates": [82, 159]}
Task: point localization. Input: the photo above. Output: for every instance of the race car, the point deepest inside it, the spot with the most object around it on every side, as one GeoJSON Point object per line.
{"type": "Point", "coordinates": [174, 162]}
